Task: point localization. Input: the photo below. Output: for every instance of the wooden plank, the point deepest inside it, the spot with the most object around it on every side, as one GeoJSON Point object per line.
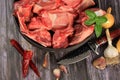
{"type": "Point", "coordinates": [3, 44]}
{"type": "Point", "coordinates": [10, 60]}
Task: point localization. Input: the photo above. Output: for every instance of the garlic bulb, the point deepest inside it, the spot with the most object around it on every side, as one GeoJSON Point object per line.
{"type": "Point", "coordinates": [110, 51]}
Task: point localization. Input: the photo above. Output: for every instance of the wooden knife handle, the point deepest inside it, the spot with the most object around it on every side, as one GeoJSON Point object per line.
{"type": "Point", "coordinates": [114, 34]}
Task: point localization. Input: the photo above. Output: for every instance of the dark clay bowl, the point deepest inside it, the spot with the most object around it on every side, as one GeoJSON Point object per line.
{"type": "Point", "coordinates": [68, 49]}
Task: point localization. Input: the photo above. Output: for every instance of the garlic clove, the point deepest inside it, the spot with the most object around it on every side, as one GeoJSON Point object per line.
{"type": "Point", "coordinates": [56, 73]}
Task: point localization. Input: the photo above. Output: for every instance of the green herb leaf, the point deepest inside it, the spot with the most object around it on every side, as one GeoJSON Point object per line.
{"type": "Point", "coordinates": [89, 22]}
{"type": "Point", "coordinates": [98, 30]}
{"type": "Point", "coordinates": [100, 19]}
{"type": "Point", "coordinates": [97, 20]}
{"type": "Point", "coordinates": [90, 14]}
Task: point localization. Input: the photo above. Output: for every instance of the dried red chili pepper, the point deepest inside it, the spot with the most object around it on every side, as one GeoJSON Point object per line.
{"type": "Point", "coordinates": [16, 45]}
{"type": "Point", "coordinates": [27, 56]}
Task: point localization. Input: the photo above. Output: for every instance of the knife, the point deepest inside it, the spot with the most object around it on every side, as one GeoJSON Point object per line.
{"type": "Point", "coordinates": [93, 45]}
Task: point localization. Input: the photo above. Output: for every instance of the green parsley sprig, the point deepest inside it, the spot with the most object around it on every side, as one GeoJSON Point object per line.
{"type": "Point", "coordinates": [96, 20]}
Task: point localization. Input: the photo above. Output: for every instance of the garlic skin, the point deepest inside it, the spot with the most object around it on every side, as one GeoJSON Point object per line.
{"type": "Point", "coordinates": [111, 52]}
{"type": "Point", "coordinates": [100, 63]}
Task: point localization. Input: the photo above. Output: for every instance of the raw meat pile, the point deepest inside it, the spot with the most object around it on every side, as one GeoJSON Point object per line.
{"type": "Point", "coordinates": [54, 23]}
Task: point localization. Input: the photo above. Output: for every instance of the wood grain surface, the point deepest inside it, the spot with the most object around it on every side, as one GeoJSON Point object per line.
{"type": "Point", "coordinates": [10, 60]}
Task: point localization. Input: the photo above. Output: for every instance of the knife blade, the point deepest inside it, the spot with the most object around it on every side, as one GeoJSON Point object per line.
{"type": "Point", "coordinates": [75, 59]}
{"type": "Point", "coordinates": [75, 56]}
{"type": "Point", "coordinates": [92, 46]}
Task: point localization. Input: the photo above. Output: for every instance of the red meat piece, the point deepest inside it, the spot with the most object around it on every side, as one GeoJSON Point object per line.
{"type": "Point", "coordinates": [65, 8]}
{"type": "Point", "coordinates": [23, 8]}
{"type": "Point", "coordinates": [60, 37]}
{"type": "Point", "coordinates": [45, 19]}
{"type": "Point", "coordinates": [46, 5]}
{"type": "Point", "coordinates": [41, 36]}
{"type": "Point", "coordinates": [85, 4]}
{"type": "Point", "coordinates": [59, 20]}
{"type": "Point", "coordinates": [59, 40]}
{"type": "Point", "coordinates": [37, 8]}
{"type": "Point", "coordinates": [62, 20]}
{"type": "Point", "coordinates": [41, 22]}
{"type": "Point", "coordinates": [72, 3]}
{"type": "Point", "coordinates": [79, 4]}
{"type": "Point", "coordinates": [81, 34]}
{"type": "Point", "coordinates": [34, 24]}
{"type": "Point", "coordinates": [38, 23]}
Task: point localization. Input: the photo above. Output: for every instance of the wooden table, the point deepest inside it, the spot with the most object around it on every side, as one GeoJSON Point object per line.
{"type": "Point", "coordinates": [10, 60]}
